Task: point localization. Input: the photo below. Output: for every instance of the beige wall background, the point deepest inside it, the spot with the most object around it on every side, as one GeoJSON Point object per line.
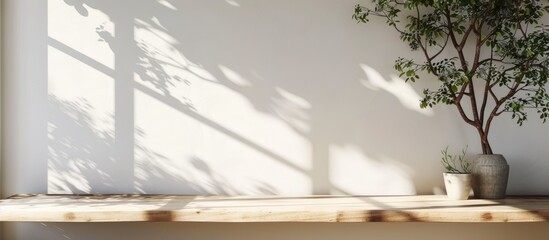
{"type": "Point", "coordinates": [229, 97]}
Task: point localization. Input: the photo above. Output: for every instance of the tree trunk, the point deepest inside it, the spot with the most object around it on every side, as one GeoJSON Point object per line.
{"type": "Point", "coordinates": [486, 148]}
{"type": "Point", "coordinates": [483, 134]}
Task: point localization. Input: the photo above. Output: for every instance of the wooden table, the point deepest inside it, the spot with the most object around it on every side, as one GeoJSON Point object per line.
{"type": "Point", "coordinates": [178, 208]}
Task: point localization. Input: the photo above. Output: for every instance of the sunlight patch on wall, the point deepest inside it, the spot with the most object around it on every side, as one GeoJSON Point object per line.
{"type": "Point", "coordinates": [86, 33]}
{"type": "Point", "coordinates": [233, 3]}
{"type": "Point", "coordinates": [293, 110]}
{"type": "Point", "coordinates": [164, 139]}
{"type": "Point", "coordinates": [71, 80]}
{"type": "Point", "coordinates": [294, 99]}
{"type": "Point", "coordinates": [355, 173]}
{"type": "Point", "coordinates": [407, 96]}
{"type": "Point", "coordinates": [280, 135]}
{"type": "Point", "coordinates": [167, 4]}
{"type": "Point", "coordinates": [65, 177]}
{"type": "Point", "coordinates": [234, 77]}
{"type": "Point", "coordinates": [80, 99]}
{"type": "Point", "coordinates": [181, 151]}
{"type": "Point", "coordinates": [80, 126]}
{"type": "Point", "coordinates": [185, 118]}
{"type": "Point", "coordinates": [161, 67]}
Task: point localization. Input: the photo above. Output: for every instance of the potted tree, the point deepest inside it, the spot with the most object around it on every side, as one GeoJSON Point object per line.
{"type": "Point", "coordinates": [499, 64]}
{"type": "Point", "coordinates": [457, 175]}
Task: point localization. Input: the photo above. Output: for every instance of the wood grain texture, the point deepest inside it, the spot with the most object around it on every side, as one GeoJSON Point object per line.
{"type": "Point", "coordinates": [178, 208]}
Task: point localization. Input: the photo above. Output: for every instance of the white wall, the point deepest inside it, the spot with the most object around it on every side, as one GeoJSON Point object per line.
{"type": "Point", "coordinates": [227, 97]}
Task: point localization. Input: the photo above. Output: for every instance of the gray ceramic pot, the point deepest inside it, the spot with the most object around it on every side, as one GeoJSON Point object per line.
{"type": "Point", "coordinates": [490, 174]}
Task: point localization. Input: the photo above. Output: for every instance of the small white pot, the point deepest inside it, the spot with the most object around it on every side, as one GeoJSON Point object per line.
{"type": "Point", "coordinates": [458, 186]}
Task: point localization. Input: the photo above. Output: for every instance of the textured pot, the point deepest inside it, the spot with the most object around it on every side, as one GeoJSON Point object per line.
{"type": "Point", "coordinates": [490, 174]}
{"type": "Point", "coordinates": [458, 186]}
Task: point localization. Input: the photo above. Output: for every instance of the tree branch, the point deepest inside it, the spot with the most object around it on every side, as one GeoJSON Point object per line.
{"type": "Point", "coordinates": [463, 115]}
{"type": "Point", "coordinates": [441, 48]}
{"type": "Point", "coordinates": [466, 34]}
{"type": "Point", "coordinates": [457, 102]}
{"type": "Point", "coordinates": [424, 50]}
{"type": "Point", "coordinates": [495, 112]}
{"type": "Point", "coordinates": [452, 34]}
{"type": "Point", "coordinates": [483, 61]}
{"type": "Point", "coordinates": [484, 100]}
{"type": "Point", "coordinates": [477, 54]}
{"type": "Point", "coordinates": [496, 99]}
{"type": "Point", "coordinates": [487, 88]}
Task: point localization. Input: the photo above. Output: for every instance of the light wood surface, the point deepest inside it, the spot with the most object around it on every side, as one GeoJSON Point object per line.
{"type": "Point", "coordinates": [177, 208]}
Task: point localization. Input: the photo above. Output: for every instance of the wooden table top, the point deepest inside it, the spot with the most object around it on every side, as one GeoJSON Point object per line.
{"type": "Point", "coordinates": [181, 208]}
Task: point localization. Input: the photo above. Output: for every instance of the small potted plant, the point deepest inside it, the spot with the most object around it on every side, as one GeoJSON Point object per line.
{"type": "Point", "coordinates": [457, 178]}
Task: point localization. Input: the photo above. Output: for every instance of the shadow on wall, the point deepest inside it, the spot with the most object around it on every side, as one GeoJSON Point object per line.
{"type": "Point", "coordinates": [231, 97]}
{"type": "Point", "coordinates": [78, 155]}
{"type": "Point", "coordinates": [79, 160]}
